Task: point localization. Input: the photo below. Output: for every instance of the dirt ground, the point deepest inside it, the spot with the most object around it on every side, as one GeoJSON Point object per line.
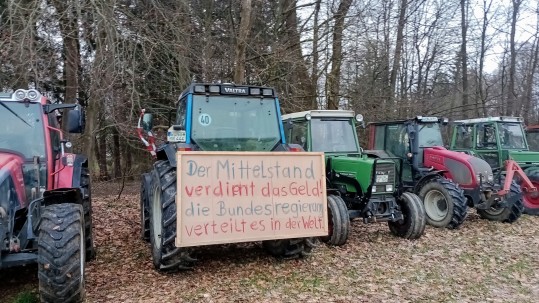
{"type": "Point", "coordinates": [480, 262]}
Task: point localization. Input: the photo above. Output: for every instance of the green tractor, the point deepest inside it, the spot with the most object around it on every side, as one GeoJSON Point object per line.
{"type": "Point", "coordinates": [358, 186]}
{"type": "Point", "coordinates": [532, 136]}
{"type": "Point", "coordinates": [497, 140]}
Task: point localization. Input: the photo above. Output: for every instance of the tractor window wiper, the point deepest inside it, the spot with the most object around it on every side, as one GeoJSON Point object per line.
{"type": "Point", "coordinates": [14, 113]}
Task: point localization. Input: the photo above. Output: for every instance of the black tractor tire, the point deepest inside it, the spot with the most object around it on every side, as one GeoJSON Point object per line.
{"type": "Point", "coordinates": [412, 226]}
{"type": "Point", "coordinates": [506, 214]}
{"type": "Point", "coordinates": [61, 254]}
{"type": "Point", "coordinates": [531, 200]}
{"type": "Point", "coordinates": [290, 248]}
{"type": "Point", "coordinates": [166, 256]}
{"type": "Point", "coordinates": [456, 206]}
{"type": "Point", "coordinates": [145, 192]}
{"type": "Point", "coordinates": [338, 221]}
{"type": "Point", "coordinates": [86, 191]}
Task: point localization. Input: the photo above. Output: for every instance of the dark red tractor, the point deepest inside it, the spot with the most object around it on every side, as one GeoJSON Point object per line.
{"type": "Point", "coordinates": [45, 203]}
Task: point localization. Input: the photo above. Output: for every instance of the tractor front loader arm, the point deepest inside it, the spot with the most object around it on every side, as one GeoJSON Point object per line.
{"type": "Point", "coordinates": [512, 168]}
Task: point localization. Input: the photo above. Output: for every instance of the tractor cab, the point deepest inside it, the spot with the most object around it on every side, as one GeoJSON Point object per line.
{"type": "Point", "coordinates": [225, 117]}
{"type": "Point", "coordinates": [31, 132]}
{"type": "Point", "coordinates": [495, 139]}
{"type": "Point", "coordinates": [408, 140]}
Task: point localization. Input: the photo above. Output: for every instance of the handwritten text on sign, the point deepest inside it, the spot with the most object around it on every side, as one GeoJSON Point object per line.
{"type": "Point", "coordinates": [226, 197]}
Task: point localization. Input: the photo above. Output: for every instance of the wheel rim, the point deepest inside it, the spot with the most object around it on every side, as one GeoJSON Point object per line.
{"type": "Point", "coordinates": [436, 205]}
{"type": "Point", "coordinates": [532, 198]}
{"type": "Point", "coordinates": [156, 216]}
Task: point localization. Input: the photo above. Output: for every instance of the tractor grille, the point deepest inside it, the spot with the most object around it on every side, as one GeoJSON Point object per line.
{"type": "Point", "coordinates": [385, 169]}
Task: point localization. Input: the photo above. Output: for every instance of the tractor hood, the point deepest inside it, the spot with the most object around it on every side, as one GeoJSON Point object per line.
{"type": "Point", "coordinates": [524, 157]}
{"type": "Point", "coordinates": [464, 169]}
{"type": "Point", "coordinates": [11, 171]}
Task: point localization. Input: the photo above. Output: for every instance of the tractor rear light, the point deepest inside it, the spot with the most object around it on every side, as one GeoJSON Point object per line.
{"type": "Point", "coordinates": [255, 91]}
{"type": "Point", "coordinates": [214, 89]}
{"type": "Point", "coordinates": [185, 148]}
{"type": "Point", "coordinates": [295, 149]}
{"type": "Point", "coordinates": [200, 89]}
{"type": "Point", "coordinates": [20, 95]}
{"type": "Point", "coordinates": [267, 92]}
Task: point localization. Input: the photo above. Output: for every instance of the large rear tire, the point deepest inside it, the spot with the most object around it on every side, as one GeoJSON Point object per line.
{"type": "Point", "coordinates": [61, 253]}
{"type": "Point", "coordinates": [145, 189]}
{"type": "Point", "coordinates": [87, 206]}
{"type": "Point", "coordinates": [413, 224]}
{"type": "Point", "coordinates": [445, 203]}
{"type": "Point", "coordinates": [166, 256]}
{"type": "Point", "coordinates": [505, 214]}
{"type": "Point", "coordinates": [338, 221]}
{"type": "Point", "coordinates": [531, 200]}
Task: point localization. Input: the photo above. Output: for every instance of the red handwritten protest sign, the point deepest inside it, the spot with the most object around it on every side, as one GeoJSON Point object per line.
{"type": "Point", "coordinates": [227, 197]}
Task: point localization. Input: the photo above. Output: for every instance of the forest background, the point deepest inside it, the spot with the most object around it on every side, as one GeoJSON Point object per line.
{"type": "Point", "coordinates": [385, 59]}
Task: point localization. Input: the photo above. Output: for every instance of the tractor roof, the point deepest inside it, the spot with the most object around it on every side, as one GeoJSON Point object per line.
{"type": "Point", "coordinates": [30, 95]}
{"type": "Point", "coordinates": [490, 119]}
{"type": "Point", "coordinates": [423, 119]}
{"type": "Point", "coordinates": [320, 113]}
{"type": "Point", "coordinates": [228, 89]}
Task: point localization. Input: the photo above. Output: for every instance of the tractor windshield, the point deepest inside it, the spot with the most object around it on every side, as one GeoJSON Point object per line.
{"type": "Point", "coordinates": [512, 136]}
{"type": "Point", "coordinates": [22, 129]}
{"type": "Point", "coordinates": [331, 135]}
{"type": "Point", "coordinates": [430, 135]}
{"type": "Point", "coordinates": [235, 123]}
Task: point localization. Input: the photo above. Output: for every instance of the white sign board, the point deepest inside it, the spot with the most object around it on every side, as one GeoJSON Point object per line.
{"type": "Point", "coordinates": [227, 197]}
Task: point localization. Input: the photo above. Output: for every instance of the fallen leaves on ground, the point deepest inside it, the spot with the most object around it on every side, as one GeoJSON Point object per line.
{"type": "Point", "coordinates": [481, 261]}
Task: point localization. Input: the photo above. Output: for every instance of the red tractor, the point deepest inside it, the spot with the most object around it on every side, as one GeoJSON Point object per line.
{"type": "Point", "coordinates": [45, 203]}
{"type": "Point", "coordinates": [448, 181]}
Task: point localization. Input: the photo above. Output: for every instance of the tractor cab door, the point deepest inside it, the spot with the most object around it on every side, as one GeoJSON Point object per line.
{"type": "Point", "coordinates": [487, 144]}
{"type": "Point", "coordinates": [296, 133]}
{"type": "Point", "coordinates": [395, 141]}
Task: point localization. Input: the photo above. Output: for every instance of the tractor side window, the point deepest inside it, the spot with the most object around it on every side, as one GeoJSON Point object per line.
{"type": "Point", "coordinates": [181, 115]}
{"type": "Point", "coordinates": [486, 137]}
{"type": "Point", "coordinates": [379, 137]}
{"type": "Point", "coordinates": [397, 141]}
{"type": "Point", "coordinates": [464, 137]}
{"type": "Point", "coordinates": [298, 134]}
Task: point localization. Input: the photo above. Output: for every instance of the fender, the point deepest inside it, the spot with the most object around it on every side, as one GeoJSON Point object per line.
{"type": "Point", "coordinates": [69, 170]}
{"type": "Point", "coordinates": [427, 177]}
{"type": "Point", "coordinates": [332, 176]}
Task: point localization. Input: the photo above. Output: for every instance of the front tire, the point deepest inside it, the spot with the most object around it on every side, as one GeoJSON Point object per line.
{"type": "Point", "coordinates": [166, 256]}
{"type": "Point", "coordinates": [61, 253]}
{"type": "Point", "coordinates": [413, 224]}
{"type": "Point", "coordinates": [290, 248]}
{"type": "Point", "coordinates": [338, 221]}
{"type": "Point", "coordinates": [507, 214]}
{"type": "Point", "coordinates": [445, 203]}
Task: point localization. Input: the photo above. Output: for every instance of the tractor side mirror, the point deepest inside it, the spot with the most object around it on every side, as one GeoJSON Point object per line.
{"type": "Point", "coordinates": [147, 122]}
{"type": "Point", "coordinates": [76, 120]}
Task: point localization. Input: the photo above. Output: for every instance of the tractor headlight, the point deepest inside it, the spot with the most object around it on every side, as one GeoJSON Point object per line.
{"type": "Point", "coordinates": [490, 178]}
{"type": "Point", "coordinates": [389, 188]}
{"type": "Point", "coordinates": [20, 95]}
{"type": "Point", "coordinates": [373, 188]}
{"type": "Point", "coordinates": [32, 95]}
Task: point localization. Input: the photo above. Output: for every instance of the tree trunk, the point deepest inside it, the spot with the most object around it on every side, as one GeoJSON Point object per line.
{"type": "Point", "coordinates": [101, 155]}
{"type": "Point", "coordinates": [464, 57]}
{"type": "Point", "coordinates": [316, 56]}
{"type": "Point", "coordinates": [511, 93]}
{"type": "Point", "coordinates": [116, 153]}
{"type": "Point", "coordinates": [398, 50]}
{"type": "Point", "coordinates": [482, 51]}
{"type": "Point", "coordinates": [333, 80]}
{"type": "Point", "coordinates": [241, 42]}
